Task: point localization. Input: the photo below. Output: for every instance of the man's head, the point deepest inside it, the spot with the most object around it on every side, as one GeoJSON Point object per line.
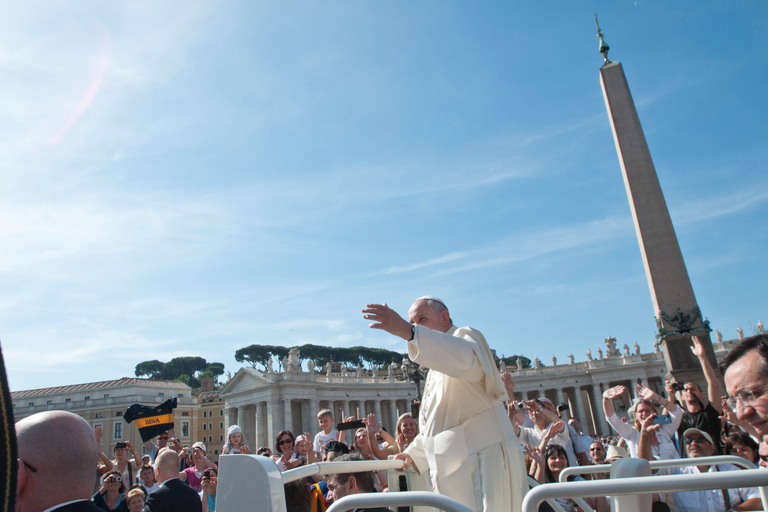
{"type": "Point", "coordinates": [162, 440]}
{"type": "Point", "coordinates": [762, 451]}
{"type": "Point", "coordinates": [120, 451]}
{"type": "Point", "coordinates": [576, 424]}
{"type": "Point", "coordinates": [745, 369]}
{"type": "Point", "coordinates": [58, 456]}
{"type": "Point", "coordinates": [166, 466]}
{"type": "Point", "coordinates": [430, 312]}
{"type": "Point", "coordinates": [334, 450]}
{"type": "Point", "coordinates": [693, 395]}
{"type": "Point", "coordinates": [698, 443]}
{"type": "Point", "coordinates": [597, 452]}
{"type": "Point", "coordinates": [345, 484]}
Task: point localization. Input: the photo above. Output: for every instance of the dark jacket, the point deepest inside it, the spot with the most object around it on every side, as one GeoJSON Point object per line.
{"type": "Point", "coordinates": [79, 506]}
{"type": "Point", "coordinates": [173, 496]}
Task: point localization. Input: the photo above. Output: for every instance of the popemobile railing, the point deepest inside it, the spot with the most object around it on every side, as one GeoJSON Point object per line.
{"type": "Point", "coordinates": [626, 482]}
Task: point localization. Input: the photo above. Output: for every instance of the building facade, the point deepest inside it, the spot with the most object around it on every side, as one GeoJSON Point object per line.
{"type": "Point", "coordinates": [104, 403]}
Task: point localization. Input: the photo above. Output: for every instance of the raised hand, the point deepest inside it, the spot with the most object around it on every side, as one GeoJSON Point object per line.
{"type": "Point", "coordinates": [555, 429]}
{"type": "Point", "coordinates": [387, 319]}
{"type": "Point", "coordinates": [509, 384]}
{"type": "Point", "coordinates": [613, 392]}
{"type": "Point", "coordinates": [697, 348]}
{"type": "Point", "coordinates": [534, 453]}
{"type": "Point", "coordinates": [644, 392]}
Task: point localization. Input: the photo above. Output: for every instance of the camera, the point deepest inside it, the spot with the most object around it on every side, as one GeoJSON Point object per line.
{"type": "Point", "coordinates": [120, 445]}
{"type": "Point", "coordinates": [111, 479]}
{"type": "Point", "coordinates": [678, 386]}
{"type": "Point", "coordinates": [190, 451]}
{"type": "Point", "coordinates": [207, 474]}
{"type": "Point", "coordinates": [563, 407]}
{"type": "Point", "coordinates": [520, 406]}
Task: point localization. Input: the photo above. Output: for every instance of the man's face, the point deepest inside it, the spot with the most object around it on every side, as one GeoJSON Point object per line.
{"type": "Point", "coordinates": [597, 452]}
{"type": "Point", "coordinates": [698, 446]}
{"type": "Point", "coordinates": [147, 475]}
{"type": "Point", "coordinates": [421, 313]}
{"type": "Point", "coordinates": [162, 441]}
{"type": "Point", "coordinates": [744, 376]}
{"type": "Point", "coordinates": [762, 450]}
{"type": "Point", "coordinates": [575, 424]}
{"type": "Point", "coordinates": [120, 453]}
{"type": "Point", "coordinates": [692, 392]}
{"type": "Point", "coordinates": [338, 490]}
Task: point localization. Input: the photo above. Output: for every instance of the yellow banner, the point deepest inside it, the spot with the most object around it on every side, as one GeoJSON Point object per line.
{"type": "Point", "coordinates": [154, 420]}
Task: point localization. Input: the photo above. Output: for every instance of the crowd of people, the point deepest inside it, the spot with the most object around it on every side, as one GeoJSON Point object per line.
{"type": "Point", "coordinates": [60, 460]}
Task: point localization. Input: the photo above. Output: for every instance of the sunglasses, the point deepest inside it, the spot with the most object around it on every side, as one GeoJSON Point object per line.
{"type": "Point", "coordinates": [285, 441]}
{"type": "Point", "coordinates": [763, 458]}
{"type": "Point", "coordinates": [697, 440]}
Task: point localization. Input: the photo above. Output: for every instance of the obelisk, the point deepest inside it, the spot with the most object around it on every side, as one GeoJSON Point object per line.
{"type": "Point", "coordinates": [678, 316]}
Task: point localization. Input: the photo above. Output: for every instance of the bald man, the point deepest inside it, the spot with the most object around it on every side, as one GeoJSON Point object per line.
{"type": "Point", "coordinates": [173, 495]}
{"type": "Point", "coordinates": [466, 439]}
{"type": "Point", "coordinates": [58, 456]}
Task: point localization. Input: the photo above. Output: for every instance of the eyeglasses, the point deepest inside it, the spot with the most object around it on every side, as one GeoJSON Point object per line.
{"type": "Point", "coordinates": [697, 440]}
{"type": "Point", "coordinates": [746, 397]}
{"type": "Point", "coordinates": [763, 458]}
{"type": "Point", "coordinates": [29, 466]}
{"type": "Point", "coordinates": [285, 441]}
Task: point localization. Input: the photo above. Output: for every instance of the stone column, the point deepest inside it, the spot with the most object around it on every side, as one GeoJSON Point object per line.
{"type": "Point", "coordinates": [582, 413]}
{"type": "Point", "coordinates": [288, 417]}
{"type": "Point", "coordinates": [560, 400]}
{"type": "Point", "coordinates": [272, 422]}
{"type": "Point", "coordinates": [345, 408]}
{"type": "Point", "coordinates": [262, 426]}
{"type": "Point", "coordinates": [392, 418]}
{"type": "Point", "coordinates": [313, 410]}
{"type": "Point", "coordinates": [377, 411]}
{"type": "Point", "coordinates": [597, 399]}
{"type": "Point", "coordinates": [230, 417]}
{"type": "Point", "coordinates": [241, 414]}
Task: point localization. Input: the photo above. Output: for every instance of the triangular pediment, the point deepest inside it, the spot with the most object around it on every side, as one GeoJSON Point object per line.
{"type": "Point", "coordinates": [246, 379]}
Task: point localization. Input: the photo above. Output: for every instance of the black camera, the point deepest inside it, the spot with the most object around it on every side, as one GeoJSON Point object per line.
{"type": "Point", "coordinates": [678, 386]}
{"type": "Point", "coordinates": [563, 407]}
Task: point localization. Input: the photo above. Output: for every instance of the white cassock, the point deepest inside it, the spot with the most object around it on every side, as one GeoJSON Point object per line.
{"type": "Point", "coordinates": [465, 436]}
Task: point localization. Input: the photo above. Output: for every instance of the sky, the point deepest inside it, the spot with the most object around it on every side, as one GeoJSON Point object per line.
{"type": "Point", "coordinates": [190, 178]}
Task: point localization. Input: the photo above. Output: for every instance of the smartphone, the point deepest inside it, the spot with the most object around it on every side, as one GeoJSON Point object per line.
{"type": "Point", "coordinates": [349, 425]}
{"type": "Point", "coordinates": [207, 474]}
{"type": "Point", "coordinates": [662, 419]}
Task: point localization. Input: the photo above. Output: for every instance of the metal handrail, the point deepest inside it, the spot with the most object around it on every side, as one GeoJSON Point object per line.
{"type": "Point", "coordinates": [645, 485]}
{"type": "Point", "coordinates": [665, 463]}
{"type": "Point", "coordinates": [336, 467]}
{"type": "Point", "coordinates": [398, 499]}
{"type": "Point", "coordinates": [532, 482]}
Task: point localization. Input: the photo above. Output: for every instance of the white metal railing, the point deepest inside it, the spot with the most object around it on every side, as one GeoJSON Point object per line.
{"type": "Point", "coordinates": [646, 485]}
{"type": "Point", "coordinates": [336, 467]}
{"type": "Point", "coordinates": [658, 464]}
{"type": "Point", "coordinates": [398, 499]}
{"type": "Point", "coordinates": [532, 482]}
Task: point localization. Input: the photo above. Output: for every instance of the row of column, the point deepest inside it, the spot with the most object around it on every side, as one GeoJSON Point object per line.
{"type": "Point", "coordinates": [590, 413]}
{"type": "Point", "coordinates": [262, 421]}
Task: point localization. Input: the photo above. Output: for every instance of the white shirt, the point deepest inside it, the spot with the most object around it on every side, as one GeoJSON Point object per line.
{"type": "Point", "coordinates": [710, 500]}
{"type": "Point", "coordinates": [322, 439]}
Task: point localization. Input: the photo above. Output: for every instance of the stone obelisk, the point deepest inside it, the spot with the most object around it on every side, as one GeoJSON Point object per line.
{"type": "Point", "coordinates": [678, 316]}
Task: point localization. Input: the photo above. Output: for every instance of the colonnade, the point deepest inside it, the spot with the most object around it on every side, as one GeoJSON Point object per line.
{"type": "Point", "coordinates": [263, 420]}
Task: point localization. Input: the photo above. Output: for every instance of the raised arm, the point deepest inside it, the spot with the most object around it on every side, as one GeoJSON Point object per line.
{"type": "Point", "coordinates": [608, 396]}
{"type": "Point", "coordinates": [373, 427]}
{"type": "Point", "coordinates": [647, 393]}
{"type": "Point", "coordinates": [713, 386]}
{"type": "Point", "coordinates": [646, 433]}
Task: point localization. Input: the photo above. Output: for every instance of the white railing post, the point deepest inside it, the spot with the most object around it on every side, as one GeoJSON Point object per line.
{"type": "Point", "coordinates": [628, 468]}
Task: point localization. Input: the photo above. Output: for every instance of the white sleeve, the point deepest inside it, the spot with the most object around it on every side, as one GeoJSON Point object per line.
{"type": "Point", "coordinates": [445, 353]}
{"type": "Point", "coordinates": [625, 430]}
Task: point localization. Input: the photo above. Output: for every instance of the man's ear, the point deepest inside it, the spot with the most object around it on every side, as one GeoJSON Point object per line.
{"type": "Point", "coordinates": [352, 485]}
{"type": "Point", "coordinates": [445, 318]}
{"type": "Point", "coordinates": [21, 480]}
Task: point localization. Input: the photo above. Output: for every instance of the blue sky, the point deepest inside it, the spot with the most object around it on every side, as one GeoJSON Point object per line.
{"type": "Point", "coordinates": [191, 178]}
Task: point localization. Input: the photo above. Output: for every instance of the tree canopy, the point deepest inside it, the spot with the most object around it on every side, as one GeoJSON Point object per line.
{"type": "Point", "coordinates": [187, 369]}
{"type": "Point", "coordinates": [258, 356]}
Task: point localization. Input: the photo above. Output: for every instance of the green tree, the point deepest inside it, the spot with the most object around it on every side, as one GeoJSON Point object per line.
{"type": "Point", "coordinates": [151, 369]}
{"type": "Point", "coordinates": [254, 355]}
